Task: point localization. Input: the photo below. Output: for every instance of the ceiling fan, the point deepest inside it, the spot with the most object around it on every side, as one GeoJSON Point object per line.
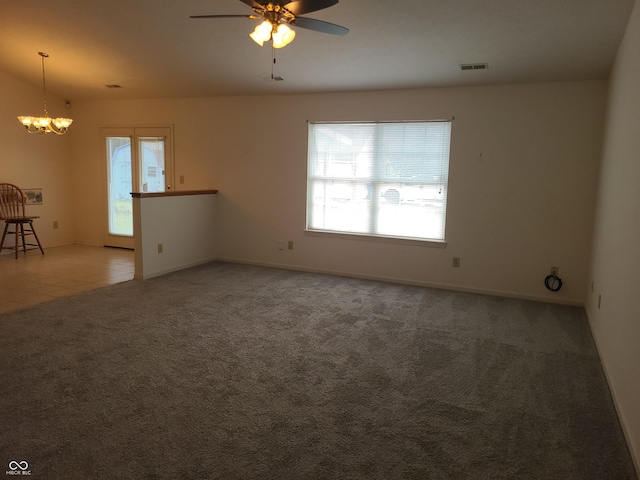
{"type": "Point", "coordinates": [279, 15]}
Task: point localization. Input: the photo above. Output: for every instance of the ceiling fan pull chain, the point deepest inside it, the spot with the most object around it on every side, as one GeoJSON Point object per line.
{"type": "Point", "coordinates": [274, 77]}
{"type": "Point", "coordinates": [273, 63]}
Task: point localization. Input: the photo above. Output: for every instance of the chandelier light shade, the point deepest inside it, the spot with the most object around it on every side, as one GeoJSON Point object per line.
{"type": "Point", "coordinates": [45, 124]}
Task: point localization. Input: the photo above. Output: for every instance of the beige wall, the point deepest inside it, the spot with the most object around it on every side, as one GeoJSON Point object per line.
{"type": "Point", "coordinates": [196, 150]}
{"type": "Point", "coordinates": [616, 255]}
{"type": "Point", "coordinates": [524, 174]}
{"type": "Point", "coordinates": [524, 162]}
{"type": "Point", "coordinates": [37, 161]}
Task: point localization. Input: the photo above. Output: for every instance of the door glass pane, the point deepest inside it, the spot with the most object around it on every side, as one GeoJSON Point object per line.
{"type": "Point", "coordinates": [152, 168]}
{"type": "Point", "coordinates": [120, 186]}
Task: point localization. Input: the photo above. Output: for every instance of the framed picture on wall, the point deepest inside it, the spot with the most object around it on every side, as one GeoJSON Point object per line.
{"type": "Point", "coordinates": [33, 195]}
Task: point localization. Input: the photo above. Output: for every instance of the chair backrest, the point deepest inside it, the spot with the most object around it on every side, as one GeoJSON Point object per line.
{"type": "Point", "coordinates": [12, 201]}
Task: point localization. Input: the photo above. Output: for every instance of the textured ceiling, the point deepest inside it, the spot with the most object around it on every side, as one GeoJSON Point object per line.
{"type": "Point", "coordinates": [153, 49]}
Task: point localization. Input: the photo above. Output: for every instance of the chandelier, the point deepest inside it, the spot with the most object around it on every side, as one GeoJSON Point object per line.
{"type": "Point", "coordinates": [274, 27]}
{"type": "Point", "coordinates": [45, 124]}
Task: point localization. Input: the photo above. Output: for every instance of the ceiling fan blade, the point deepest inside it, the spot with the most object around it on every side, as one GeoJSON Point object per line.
{"type": "Point", "coordinates": [300, 7]}
{"type": "Point", "coordinates": [253, 3]}
{"type": "Point", "coordinates": [224, 16]}
{"type": "Point", "coordinates": [319, 26]}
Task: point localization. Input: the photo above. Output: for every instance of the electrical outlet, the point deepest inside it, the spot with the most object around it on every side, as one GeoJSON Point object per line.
{"type": "Point", "coordinates": [554, 271]}
{"type": "Point", "coordinates": [280, 245]}
{"type": "Point", "coordinates": [290, 246]}
{"type": "Point", "coordinates": [456, 262]}
{"type": "Point", "coordinates": [160, 248]}
{"type": "Point", "coordinates": [55, 224]}
{"type": "Point", "coordinates": [181, 179]}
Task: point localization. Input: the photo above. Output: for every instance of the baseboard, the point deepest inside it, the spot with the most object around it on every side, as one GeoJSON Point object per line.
{"type": "Point", "coordinates": [403, 281]}
{"type": "Point", "coordinates": [158, 273]}
{"type": "Point", "coordinates": [635, 456]}
{"type": "Point", "coordinates": [56, 245]}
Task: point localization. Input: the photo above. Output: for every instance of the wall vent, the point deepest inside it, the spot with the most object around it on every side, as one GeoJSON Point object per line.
{"type": "Point", "coordinates": [474, 66]}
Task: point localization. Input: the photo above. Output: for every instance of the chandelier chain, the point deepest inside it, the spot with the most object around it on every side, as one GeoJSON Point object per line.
{"type": "Point", "coordinates": [44, 84]}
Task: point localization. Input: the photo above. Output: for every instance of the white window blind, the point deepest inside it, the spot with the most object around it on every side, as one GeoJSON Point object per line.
{"type": "Point", "coordinates": [382, 179]}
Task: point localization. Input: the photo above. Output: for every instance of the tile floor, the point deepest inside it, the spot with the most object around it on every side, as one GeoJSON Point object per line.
{"type": "Point", "coordinates": [62, 271]}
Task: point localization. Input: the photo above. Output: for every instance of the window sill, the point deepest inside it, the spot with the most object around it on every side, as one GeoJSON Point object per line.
{"type": "Point", "coordinates": [376, 238]}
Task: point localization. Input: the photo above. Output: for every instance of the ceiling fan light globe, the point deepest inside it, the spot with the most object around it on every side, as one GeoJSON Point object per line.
{"type": "Point", "coordinates": [256, 38]}
{"type": "Point", "coordinates": [264, 30]}
{"type": "Point", "coordinates": [283, 36]}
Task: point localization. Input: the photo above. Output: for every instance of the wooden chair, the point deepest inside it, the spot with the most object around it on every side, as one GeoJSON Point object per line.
{"type": "Point", "coordinates": [12, 211]}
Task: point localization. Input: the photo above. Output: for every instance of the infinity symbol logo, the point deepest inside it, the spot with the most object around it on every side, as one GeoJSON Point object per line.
{"type": "Point", "coordinates": [23, 465]}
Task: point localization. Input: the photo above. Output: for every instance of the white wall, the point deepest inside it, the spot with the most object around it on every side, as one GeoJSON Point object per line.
{"type": "Point", "coordinates": [524, 205]}
{"type": "Point", "coordinates": [37, 161]}
{"type": "Point", "coordinates": [185, 226]}
{"type": "Point", "coordinates": [615, 268]}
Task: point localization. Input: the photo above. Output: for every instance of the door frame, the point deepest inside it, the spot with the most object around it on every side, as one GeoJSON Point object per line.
{"type": "Point", "coordinates": [128, 241]}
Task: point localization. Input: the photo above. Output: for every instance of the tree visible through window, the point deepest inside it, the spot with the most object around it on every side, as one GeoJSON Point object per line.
{"type": "Point", "coordinates": [382, 179]}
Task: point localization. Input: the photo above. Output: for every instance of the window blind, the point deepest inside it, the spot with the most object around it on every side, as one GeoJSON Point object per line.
{"type": "Point", "coordinates": [384, 178]}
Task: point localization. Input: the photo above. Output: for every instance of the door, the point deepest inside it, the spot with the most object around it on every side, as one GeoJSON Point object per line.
{"type": "Point", "coordinates": [137, 160]}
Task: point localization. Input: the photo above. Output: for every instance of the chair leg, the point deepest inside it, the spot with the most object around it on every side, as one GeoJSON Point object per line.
{"type": "Point", "coordinates": [20, 229]}
{"type": "Point", "coordinates": [35, 235]}
{"type": "Point", "coordinates": [4, 234]}
{"type": "Point", "coordinates": [20, 233]}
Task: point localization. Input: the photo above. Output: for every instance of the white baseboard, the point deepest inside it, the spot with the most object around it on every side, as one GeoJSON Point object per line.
{"type": "Point", "coordinates": [174, 268]}
{"type": "Point", "coordinates": [403, 281]}
{"type": "Point", "coordinates": [635, 456]}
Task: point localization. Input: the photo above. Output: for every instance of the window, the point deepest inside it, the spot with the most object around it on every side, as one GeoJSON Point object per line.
{"type": "Point", "coordinates": [379, 179]}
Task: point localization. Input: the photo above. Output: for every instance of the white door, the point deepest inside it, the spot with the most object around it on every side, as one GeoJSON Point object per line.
{"type": "Point", "coordinates": [138, 160]}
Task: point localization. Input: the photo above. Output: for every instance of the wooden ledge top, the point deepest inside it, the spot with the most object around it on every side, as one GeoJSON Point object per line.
{"type": "Point", "coordinates": [173, 194]}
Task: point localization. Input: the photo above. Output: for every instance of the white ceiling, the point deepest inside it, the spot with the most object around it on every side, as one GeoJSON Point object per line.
{"type": "Point", "coordinates": [153, 49]}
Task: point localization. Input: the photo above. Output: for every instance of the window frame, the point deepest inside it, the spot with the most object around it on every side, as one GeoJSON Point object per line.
{"type": "Point", "coordinates": [372, 236]}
